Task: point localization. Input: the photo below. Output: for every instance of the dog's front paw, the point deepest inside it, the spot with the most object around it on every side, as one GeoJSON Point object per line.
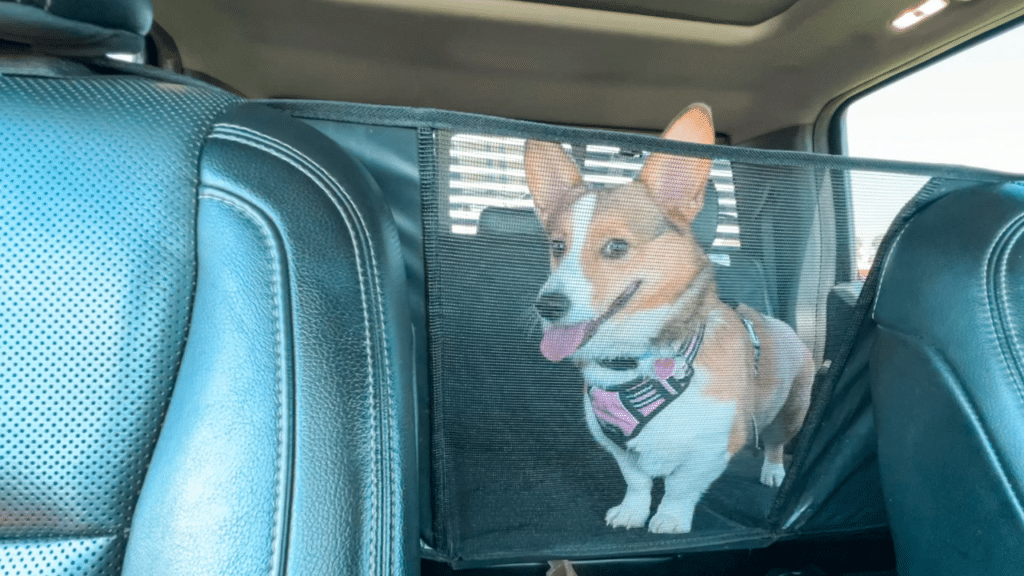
{"type": "Point", "coordinates": [772, 474]}
{"type": "Point", "coordinates": [669, 523]}
{"type": "Point", "coordinates": [627, 515]}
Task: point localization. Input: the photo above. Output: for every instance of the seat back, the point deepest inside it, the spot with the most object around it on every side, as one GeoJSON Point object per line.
{"type": "Point", "coordinates": [97, 208]}
{"type": "Point", "coordinates": [948, 385]}
{"type": "Point", "coordinates": [205, 345]}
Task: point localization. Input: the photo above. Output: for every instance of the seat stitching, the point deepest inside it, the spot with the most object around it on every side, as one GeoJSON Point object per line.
{"type": "Point", "coordinates": [1013, 344]}
{"type": "Point", "coordinates": [334, 191]}
{"type": "Point", "coordinates": [996, 288]}
{"type": "Point", "coordinates": [340, 190]}
{"type": "Point", "coordinates": [250, 214]}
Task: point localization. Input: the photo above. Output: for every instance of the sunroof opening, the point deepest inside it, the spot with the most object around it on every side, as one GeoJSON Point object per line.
{"type": "Point", "coordinates": [742, 12]}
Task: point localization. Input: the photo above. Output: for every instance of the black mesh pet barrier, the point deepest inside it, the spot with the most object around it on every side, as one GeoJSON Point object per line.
{"type": "Point", "coordinates": [640, 345]}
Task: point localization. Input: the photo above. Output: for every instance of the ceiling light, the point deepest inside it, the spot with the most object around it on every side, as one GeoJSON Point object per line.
{"type": "Point", "coordinates": [918, 13]}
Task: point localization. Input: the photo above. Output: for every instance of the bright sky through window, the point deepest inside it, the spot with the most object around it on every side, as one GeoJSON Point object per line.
{"type": "Point", "coordinates": [966, 109]}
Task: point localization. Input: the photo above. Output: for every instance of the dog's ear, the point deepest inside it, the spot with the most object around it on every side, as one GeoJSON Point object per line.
{"type": "Point", "coordinates": [552, 176]}
{"type": "Point", "coordinates": [677, 183]}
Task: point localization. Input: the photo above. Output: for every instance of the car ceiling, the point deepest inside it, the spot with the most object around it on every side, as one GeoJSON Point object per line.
{"type": "Point", "coordinates": [625, 66]}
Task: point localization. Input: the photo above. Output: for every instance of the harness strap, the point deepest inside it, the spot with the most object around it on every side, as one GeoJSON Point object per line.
{"type": "Point", "coordinates": [753, 340]}
{"type": "Point", "coordinates": [623, 412]}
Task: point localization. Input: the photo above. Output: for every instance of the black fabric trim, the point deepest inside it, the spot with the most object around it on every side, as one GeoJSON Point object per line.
{"type": "Point", "coordinates": [431, 528]}
{"type": "Point", "coordinates": [434, 496]}
{"type": "Point", "coordinates": [823, 390]}
{"type": "Point", "coordinates": [466, 122]}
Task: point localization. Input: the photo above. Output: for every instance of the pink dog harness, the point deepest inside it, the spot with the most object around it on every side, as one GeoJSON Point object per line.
{"type": "Point", "coordinates": [624, 410]}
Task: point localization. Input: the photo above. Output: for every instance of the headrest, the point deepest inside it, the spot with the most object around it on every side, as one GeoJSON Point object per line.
{"type": "Point", "coordinates": [495, 221]}
{"type": "Point", "coordinates": [705, 225]}
{"type": "Point", "coordinates": [77, 27]}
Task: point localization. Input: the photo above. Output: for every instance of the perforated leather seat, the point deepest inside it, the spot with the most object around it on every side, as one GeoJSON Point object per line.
{"type": "Point", "coordinates": [948, 385]}
{"type": "Point", "coordinates": [203, 325]}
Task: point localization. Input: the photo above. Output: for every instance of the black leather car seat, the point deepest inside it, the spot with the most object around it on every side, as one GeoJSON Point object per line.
{"type": "Point", "coordinates": [948, 385]}
{"type": "Point", "coordinates": [203, 323]}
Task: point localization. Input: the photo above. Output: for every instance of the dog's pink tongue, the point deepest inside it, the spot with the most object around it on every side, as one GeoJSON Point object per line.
{"type": "Point", "coordinates": [560, 342]}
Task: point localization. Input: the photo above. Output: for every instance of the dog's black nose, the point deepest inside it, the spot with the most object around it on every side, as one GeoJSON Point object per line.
{"type": "Point", "coordinates": [552, 305]}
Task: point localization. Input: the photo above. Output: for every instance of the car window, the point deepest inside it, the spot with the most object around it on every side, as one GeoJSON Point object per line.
{"type": "Point", "coordinates": [966, 109]}
{"type": "Point", "coordinates": [488, 171]}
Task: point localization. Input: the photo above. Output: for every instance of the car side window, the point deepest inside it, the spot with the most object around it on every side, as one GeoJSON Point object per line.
{"type": "Point", "coordinates": [966, 109]}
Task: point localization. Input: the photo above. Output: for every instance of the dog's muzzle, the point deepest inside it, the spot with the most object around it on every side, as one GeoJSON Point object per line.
{"type": "Point", "coordinates": [560, 342]}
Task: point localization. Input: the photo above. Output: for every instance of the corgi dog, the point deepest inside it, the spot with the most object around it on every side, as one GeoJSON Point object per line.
{"type": "Point", "coordinates": [676, 381]}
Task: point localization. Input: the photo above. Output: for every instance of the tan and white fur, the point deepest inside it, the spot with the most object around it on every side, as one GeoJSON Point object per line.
{"type": "Point", "coordinates": [638, 236]}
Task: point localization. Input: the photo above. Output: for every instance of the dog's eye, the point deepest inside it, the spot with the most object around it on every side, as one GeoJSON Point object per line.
{"type": "Point", "coordinates": [558, 248]}
{"type": "Point", "coordinates": [615, 248]}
